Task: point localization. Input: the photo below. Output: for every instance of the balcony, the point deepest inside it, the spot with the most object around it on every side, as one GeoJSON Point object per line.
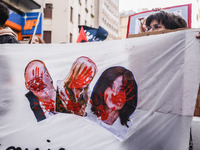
{"type": "Point", "coordinates": [23, 6]}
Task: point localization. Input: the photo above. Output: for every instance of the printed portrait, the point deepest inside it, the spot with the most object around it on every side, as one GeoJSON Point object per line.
{"type": "Point", "coordinates": [73, 91]}
{"type": "Point", "coordinates": [41, 93]}
{"type": "Point", "coordinates": [113, 100]}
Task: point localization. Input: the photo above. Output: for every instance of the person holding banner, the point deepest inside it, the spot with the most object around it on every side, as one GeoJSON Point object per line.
{"type": "Point", "coordinates": [41, 93]}
{"type": "Point", "coordinates": [161, 21]}
{"type": "Point", "coordinates": [72, 92]}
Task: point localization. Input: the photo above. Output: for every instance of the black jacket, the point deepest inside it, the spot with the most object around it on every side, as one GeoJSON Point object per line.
{"type": "Point", "coordinates": [7, 35]}
{"type": "Point", "coordinates": [35, 106]}
{"type": "Point", "coordinates": [7, 39]}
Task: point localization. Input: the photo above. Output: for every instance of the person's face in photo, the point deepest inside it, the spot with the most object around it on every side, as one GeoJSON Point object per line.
{"type": "Point", "coordinates": [39, 81]}
{"type": "Point", "coordinates": [114, 97]}
{"type": "Point", "coordinates": [155, 26]}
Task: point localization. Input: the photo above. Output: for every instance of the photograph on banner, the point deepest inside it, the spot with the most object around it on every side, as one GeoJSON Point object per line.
{"type": "Point", "coordinates": [41, 93]}
{"type": "Point", "coordinates": [113, 100]}
{"type": "Point", "coordinates": [137, 19]}
{"type": "Point", "coordinates": [73, 91]}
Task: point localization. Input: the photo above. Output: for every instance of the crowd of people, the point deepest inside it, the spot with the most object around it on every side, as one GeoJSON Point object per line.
{"type": "Point", "coordinates": [7, 35]}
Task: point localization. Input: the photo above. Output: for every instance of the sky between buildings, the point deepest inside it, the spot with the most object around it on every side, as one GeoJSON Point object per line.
{"type": "Point", "coordinates": [136, 5]}
{"type": "Point", "coordinates": [125, 5]}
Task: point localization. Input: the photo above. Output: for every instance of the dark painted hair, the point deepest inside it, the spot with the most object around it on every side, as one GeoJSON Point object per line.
{"type": "Point", "coordinates": [4, 14]}
{"type": "Point", "coordinates": [169, 20]}
{"type": "Point", "coordinates": [106, 80]}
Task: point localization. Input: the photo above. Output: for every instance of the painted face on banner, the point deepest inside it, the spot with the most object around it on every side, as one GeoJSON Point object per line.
{"type": "Point", "coordinates": [38, 80]}
{"type": "Point", "coordinates": [85, 76]}
{"type": "Point", "coordinates": [114, 96]}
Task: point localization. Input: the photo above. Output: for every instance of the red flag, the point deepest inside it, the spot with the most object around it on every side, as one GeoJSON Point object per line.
{"type": "Point", "coordinates": [82, 36]}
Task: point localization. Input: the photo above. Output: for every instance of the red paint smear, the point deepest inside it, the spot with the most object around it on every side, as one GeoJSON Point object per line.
{"type": "Point", "coordinates": [120, 97]}
{"type": "Point", "coordinates": [35, 103]}
{"type": "Point", "coordinates": [128, 89]}
{"type": "Point", "coordinates": [73, 106]}
{"type": "Point", "coordinates": [82, 79]}
{"type": "Point", "coordinates": [36, 84]}
{"type": "Point", "coordinates": [48, 106]}
{"type": "Point", "coordinates": [101, 111]}
{"type": "Point", "coordinates": [101, 94]}
{"type": "Point", "coordinates": [67, 93]}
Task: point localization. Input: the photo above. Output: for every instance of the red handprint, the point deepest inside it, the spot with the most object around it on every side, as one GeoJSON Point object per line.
{"type": "Point", "coordinates": [48, 106]}
{"type": "Point", "coordinates": [64, 97]}
{"type": "Point", "coordinates": [36, 84]}
{"type": "Point", "coordinates": [101, 110]}
{"type": "Point", "coordinates": [84, 78]}
{"type": "Point", "coordinates": [129, 88]}
{"type": "Point", "coordinates": [74, 107]}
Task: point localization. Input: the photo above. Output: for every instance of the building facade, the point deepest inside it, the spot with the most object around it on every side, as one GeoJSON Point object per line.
{"type": "Point", "coordinates": [62, 25]}
{"type": "Point", "coordinates": [61, 19]}
{"type": "Point", "coordinates": [108, 17]}
{"type": "Point", "coordinates": [124, 17]}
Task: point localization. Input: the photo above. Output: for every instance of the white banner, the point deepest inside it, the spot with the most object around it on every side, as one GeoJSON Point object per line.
{"type": "Point", "coordinates": [163, 71]}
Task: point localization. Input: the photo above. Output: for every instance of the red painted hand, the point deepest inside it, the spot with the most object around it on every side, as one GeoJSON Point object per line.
{"type": "Point", "coordinates": [36, 84]}
{"type": "Point", "coordinates": [84, 78]}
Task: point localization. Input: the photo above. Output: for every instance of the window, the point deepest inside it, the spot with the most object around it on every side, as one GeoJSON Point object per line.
{"type": "Point", "coordinates": [79, 19]}
{"type": "Point", "coordinates": [47, 36]}
{"type": "Point", "coordinates": [48, 11]}
{"type": "Point", "coordinates": [85, 22]}
{"type": "Point", "coordinates": [71, 14]}
{"type": "Point", "coordinates": [70, 38]}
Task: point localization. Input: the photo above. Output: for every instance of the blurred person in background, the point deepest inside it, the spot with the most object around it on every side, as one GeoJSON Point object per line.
{"type": "Point", "coordinates": [7, 35]}
{"type": "Point", "coordinates": [36, 40]}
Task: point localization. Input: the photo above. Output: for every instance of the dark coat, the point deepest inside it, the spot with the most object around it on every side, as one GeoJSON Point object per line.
{"type": "Point", "coordinates": [8, 39]}
{"type": "Point", "coordinates": [35, 106]}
